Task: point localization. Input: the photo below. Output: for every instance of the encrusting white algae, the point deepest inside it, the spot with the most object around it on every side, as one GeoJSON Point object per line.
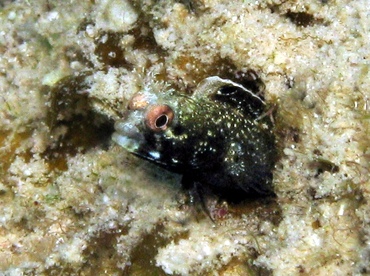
{"type": "Point", "coordinates": [75, 203]}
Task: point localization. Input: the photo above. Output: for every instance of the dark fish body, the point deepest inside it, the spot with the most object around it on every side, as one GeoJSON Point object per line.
{"type": "Point", "coordinates": [214, 138]}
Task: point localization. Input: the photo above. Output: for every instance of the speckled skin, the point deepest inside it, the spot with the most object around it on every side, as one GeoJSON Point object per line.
{"type": "Point", "coordinates": [215, 140]}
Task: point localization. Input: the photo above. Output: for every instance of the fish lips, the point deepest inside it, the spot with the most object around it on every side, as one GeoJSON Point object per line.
{"type": "Point", "coordinates": [128, 136]}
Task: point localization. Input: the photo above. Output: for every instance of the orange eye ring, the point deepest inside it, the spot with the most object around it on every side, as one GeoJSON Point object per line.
{"type": "Point", "coordinates": [159, 117]}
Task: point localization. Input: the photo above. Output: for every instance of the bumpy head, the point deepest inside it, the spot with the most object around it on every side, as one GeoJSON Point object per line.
{"type": "Point", "coordinates": [170, 129]}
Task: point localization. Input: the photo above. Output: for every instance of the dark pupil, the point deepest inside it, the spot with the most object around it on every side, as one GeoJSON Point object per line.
{"type": "Point", "coordinates": [161, 121]}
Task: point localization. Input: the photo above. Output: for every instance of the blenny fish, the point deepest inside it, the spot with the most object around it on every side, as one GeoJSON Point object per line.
{"type": "Point", "coordinates": [217, 138]}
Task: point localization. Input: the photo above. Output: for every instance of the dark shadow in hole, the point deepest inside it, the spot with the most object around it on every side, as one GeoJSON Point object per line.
{"type": "Point", "coordinates": [74, 126]}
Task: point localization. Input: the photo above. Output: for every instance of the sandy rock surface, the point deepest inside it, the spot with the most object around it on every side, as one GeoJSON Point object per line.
{"type": "Point", "coordinates": [74, 203]}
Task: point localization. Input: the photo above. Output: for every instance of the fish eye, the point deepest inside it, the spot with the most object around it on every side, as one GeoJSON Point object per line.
{"type": "Point", "coordinates": [159, 117]}
{"type": "Point", "coordinates": [161, 121]}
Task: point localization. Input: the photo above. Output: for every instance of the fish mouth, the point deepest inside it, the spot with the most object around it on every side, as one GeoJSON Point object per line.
{"type": "Point", "coordinates": [127, 136]}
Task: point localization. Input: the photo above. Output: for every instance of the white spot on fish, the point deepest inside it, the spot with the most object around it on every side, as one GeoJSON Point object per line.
{"type": "Point", "coordinates": [154, 154]}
